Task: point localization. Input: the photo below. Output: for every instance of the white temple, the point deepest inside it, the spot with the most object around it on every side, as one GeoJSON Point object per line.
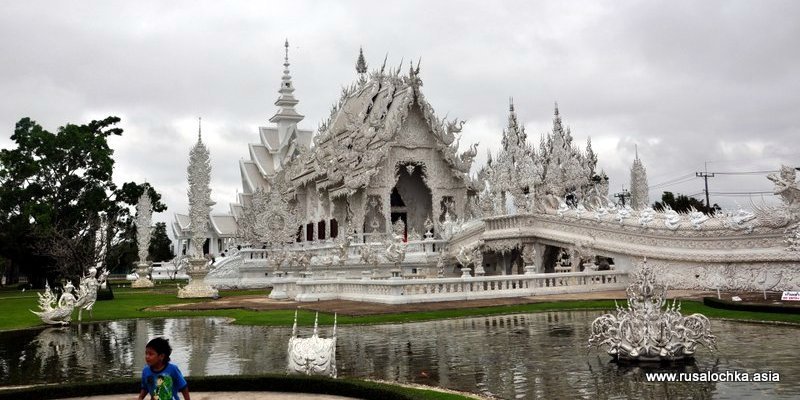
{"type": "Point", "coordinates": [381, 193]}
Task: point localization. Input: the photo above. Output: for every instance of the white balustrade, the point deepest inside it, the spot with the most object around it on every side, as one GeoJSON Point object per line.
{"type": "Point", "coordinates": [327, 248]}
{"type": "Point", "coordinates": [403, 291]}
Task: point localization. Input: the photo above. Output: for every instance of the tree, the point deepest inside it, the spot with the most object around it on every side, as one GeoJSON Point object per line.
{"type": "Point", "coordinates": [160, 245]}
{"type": "Point", "coordinates": [683, 204]}
{"type": "Point", "coordinates": [53, 186]}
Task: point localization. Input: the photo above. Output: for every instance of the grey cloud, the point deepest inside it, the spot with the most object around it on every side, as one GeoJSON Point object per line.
{"type": "Point", "coordinates": [687, 81]}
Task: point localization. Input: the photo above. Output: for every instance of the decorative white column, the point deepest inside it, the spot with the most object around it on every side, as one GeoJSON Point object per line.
{"type": "Point", "coordinates": [144, 213]}
{"type": "Point", "coordinates": [199, 174]}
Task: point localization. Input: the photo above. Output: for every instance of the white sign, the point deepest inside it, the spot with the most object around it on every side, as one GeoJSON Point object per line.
{"type": "Point", "coordinates": [791, 296]}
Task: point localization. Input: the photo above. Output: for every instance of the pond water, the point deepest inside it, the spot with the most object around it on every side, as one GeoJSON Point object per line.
{"type": "Point", "coordinates": [533, 356]}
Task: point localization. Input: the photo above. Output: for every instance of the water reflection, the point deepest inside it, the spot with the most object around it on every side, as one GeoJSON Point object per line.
{"type": "Point", "coordinates": [518, 356]}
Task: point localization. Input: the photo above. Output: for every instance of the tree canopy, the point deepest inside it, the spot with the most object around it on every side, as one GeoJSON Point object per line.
{"type": "Point", "coordinates": [683, 204]}
{"type": "Point", "coordinates": [53, 186]}
{"type": "Point", "coordinates": [160, 244]}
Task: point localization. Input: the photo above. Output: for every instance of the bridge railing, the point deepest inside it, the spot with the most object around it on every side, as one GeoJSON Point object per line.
{"type": "Point", "coordinates": [403, 291]}
{"type": "Point", "coordinates": [312, 249]}
{"type": "Point", "coordinates": [506, 222]}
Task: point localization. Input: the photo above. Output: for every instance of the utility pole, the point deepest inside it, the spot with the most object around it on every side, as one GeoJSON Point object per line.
{"type": "Point", "coordinates": [622, 195]}
{"type": "Point", "coordinates": [705, 175]}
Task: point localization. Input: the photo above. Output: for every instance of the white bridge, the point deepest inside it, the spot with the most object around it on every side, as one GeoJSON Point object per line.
{"type": "Point", "coordinates": [717, 254]}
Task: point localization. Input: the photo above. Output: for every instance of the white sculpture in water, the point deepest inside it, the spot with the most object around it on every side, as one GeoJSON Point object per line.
{"type": "Point", "coordinates": [644, 331]}
{"type": "Point", "coordinates": [313, 355]}
{"type": "Point", "coordinates": [144, 214]}
{"type": "Point", "coordinates": [56, 312]}
{"type": "Point", "coordinates": [199, 174]}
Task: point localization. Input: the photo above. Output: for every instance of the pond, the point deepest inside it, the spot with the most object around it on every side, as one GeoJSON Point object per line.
{"type": "Point", "coordinates": [542, 355]}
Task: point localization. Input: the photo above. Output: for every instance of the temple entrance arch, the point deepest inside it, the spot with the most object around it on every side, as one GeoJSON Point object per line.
{"type": "Point", "coordinates": [411, 200]}
{"type": "Point", "coordinates": [554, 257]}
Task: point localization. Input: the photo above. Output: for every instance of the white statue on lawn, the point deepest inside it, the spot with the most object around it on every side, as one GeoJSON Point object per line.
{"type": "Point", "coordinates": [56, 312]}
{"type": "Point", "coordinates": [87, 291]}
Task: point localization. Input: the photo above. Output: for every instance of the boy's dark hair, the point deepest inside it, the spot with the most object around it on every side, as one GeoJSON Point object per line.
{"type": "Point", "coordinates": [160, 346]}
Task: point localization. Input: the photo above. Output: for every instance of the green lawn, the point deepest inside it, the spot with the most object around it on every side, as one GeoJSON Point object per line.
{"type": "Point", "coordinates": [129, 303]}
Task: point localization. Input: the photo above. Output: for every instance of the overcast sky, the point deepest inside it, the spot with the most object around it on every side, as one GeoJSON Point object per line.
{"type": "Point", "coordinates": [689, 82]}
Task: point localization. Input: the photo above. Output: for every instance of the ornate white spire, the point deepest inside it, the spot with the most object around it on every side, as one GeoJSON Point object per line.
{"type": "Point", "coordinates": [199, 174]}
{"type": "Point", "coordinates": [144, 213]}
{"type": "Point", "coordinates": [286, 117]}
{"type": "Point", "coordinates": [566, 170]}
{"type": "Point", "coordinates": [513, 171]}
{"type": "Point", "coordinates": [640, 198]}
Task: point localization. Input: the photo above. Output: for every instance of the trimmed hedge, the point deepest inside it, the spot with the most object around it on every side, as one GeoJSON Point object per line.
{"type": "Point", "coordinates": [243, 383]}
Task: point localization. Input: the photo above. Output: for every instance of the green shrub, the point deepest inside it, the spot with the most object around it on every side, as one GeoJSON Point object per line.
{"type": "Point", "coordinates": [253, 383]}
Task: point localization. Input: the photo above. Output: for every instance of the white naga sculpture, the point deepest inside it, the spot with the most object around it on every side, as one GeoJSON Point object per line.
{"type": "Point", "coordinates": [56, 312]}
{"type": "Point", "coordinates": [644, 331]}
{"type": "Point", "coordinates": [313, 355]}
{"type": "Point", "coordinates": [144, 213]}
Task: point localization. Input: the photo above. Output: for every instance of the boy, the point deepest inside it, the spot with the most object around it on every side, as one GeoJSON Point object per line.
{"type": "Point", "coordinates": [161, 379]}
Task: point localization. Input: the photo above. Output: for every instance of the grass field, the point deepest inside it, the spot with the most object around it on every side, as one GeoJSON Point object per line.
{"type": "Point", "coordinates": [130, 303]}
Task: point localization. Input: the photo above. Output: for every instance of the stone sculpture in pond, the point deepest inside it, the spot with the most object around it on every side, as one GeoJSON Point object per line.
{"type": "Point", "coordinates": [645, 331]}
{"type": "Point", "coordinates": [313, 355]}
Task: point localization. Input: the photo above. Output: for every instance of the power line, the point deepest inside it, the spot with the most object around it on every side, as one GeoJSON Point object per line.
{"type": "Point", "coordinates": [741, 193]}
{"type": "Point", "coordinates": [745, 172]}
{"type": "Point", "coordinates": [673, 181]}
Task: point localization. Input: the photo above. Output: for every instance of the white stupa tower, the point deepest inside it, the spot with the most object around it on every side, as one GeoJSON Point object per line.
{"type": "Point", "coordinates": [640, 198]}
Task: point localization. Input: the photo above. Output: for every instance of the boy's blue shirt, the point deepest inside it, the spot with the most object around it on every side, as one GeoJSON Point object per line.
{"type": "Point", "coordinates": [164, 384]}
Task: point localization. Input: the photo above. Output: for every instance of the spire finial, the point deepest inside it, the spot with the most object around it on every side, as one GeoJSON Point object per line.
{"type": "Point", "coordinates": [383, 67]}
{"type": "Point", "coordinates": [200, 128]}
{"type": "Point", "coordinates": [286, 101]}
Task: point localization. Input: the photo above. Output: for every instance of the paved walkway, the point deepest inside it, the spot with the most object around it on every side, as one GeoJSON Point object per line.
{"type": "Point", "coordinates": [357, 308]}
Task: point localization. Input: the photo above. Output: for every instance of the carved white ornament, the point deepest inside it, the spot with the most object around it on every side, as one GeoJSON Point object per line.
{"type": "Point", "coordinates": [313, 355]}
{"type": "Point", "coordinates": [645, 331]}
{"type": "Point", "coordinates": [269, 218]}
